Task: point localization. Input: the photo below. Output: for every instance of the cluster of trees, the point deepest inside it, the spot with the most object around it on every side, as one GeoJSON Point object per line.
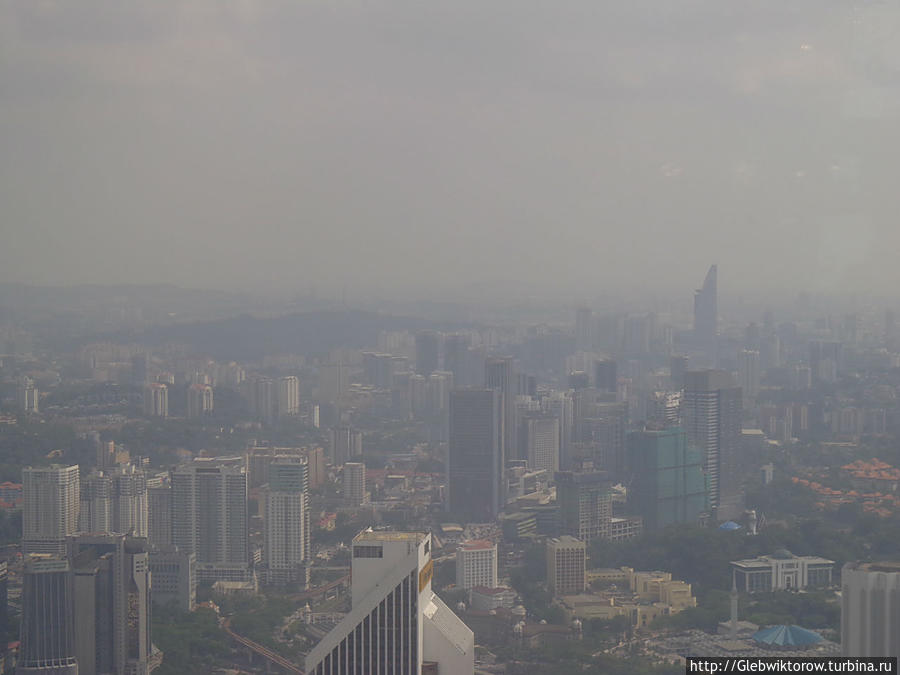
{"type": "Point", "coordinates": [578, 658]}
{"type": "Point", "coordinates": [191, 642]}
{"type": "Point", "coordinates": [31, 442]}
{"type": "Point", "coordinates": [258, 617]}
{"type": "Point", "coordinates": [701, 556]}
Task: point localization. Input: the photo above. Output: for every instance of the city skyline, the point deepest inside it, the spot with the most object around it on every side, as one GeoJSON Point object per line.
{"type": "Point", "coordinates": [663, 135]}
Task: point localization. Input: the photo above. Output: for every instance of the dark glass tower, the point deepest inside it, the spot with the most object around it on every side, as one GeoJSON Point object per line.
{"type": "Point", "coordinates": [475, 456]}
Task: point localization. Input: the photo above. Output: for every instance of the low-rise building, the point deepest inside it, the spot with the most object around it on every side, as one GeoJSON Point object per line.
{"type": "Point", "coordinates": [781, 571]}
{"type": "Point", "coordinates": [174, 578]}
{"type": "Point", "coordinates": [484, 599]}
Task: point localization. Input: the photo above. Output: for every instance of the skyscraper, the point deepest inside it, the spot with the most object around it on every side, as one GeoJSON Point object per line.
{"type": "Point", "coordinates": [540, 438]}
{"type": "Point", "coordinates": [199, 400]}
{"type": "Point", "coordinates": [48, 618]}
{"type": "Point", "coordinates": [159, 515]}
{"type": "Point", "coordinates": [262, 398]}
{"type": "Point", "coordinates": [111, 594]}
{"type": "Point", "coordinates": [397, 624]}
{"type": "Point", "coordinates": [476, 564]}
{"type": "Point", "coordinates": [499, 374]}
{"type": "Point", "coordinates": [288, 396]}
{"type": "Point", "coordinates": [748, 369]}
{"type": "Point", "coordinates": [600, 429]}
{"type": "Point", "coordinates": [585, 504]}
{"type": "Point", "coordinates": [561, 405]}
{"type": "Point", "coordinates": [50, 508]}
{"type": "Point", "coordinates": [346, 444]}
{"type": "Point", "coordinates": [27, 395]}
{"type": "Point", "coordinates": [354, 483]}
{"type": "Point", "coordinates": [156, 400]}
{"type": "Point", "coordinates": [667, 481]}
{"type": "Point", "coordinates": [711, 414]}
{"type": "Point", "coordinates": [870, 609]}
{"type": "Point", "coordinates": [706, 310]}
{"type": "Point", "coordinates": [286, 519]}
{"type": "Point", "coordinates": [475, 458]}
{"type": "Point", "coordinates": [115, 501]}
{"type": "Point", "coordinates": [565, 565]}
{"type": "Point", "coordinates": [209, 516]}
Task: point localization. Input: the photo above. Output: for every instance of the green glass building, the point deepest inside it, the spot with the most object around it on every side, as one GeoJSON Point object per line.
{"type": "Point", "coordinates": [668, 485]}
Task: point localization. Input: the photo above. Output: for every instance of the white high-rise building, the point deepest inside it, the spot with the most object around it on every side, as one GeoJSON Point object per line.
{"type": "Point", "coordinates": [748, 372]}
{"type": "Point", "coordinates": [286, 519]}
{"type": "Point", "coordinates": [397, 623]}
{"type": "Point", "coordinates": [355, 482]}
{"type": "Point", "coordinates": [541, 438]}
{"type": "Point", "coordinates": [209, 517]}
{"type": "Point", "coordinates": [562, 405]}
{"type": "Point", "coordinates": [870, 607]}
{"type": "Point", "coordinates": [159, 515]}
{"type": "Point", "coordinates": [156, 400]}
{"type": "Point", "coordinates": [50, 508]}
{"type": "Point", "coordinates": [476, 564]}
{"type": "Point", "coordinates": [28, 395]}
{"type": "Point", "coordinates": [199, 400]}
{"type": "Point", "coordinates": [288, 396]}
{"type": "Point", "coordinates": [115, 501]}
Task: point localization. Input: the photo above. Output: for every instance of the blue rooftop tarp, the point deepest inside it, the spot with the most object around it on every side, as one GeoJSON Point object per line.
{"type": "Point", "coordinates": [730, 525]}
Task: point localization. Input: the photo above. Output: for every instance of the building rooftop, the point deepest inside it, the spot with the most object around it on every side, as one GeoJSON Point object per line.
{"type": "Point", "coordinates": [484, 590]}
{"type": "Point", "coordinates": [370, 535]}
{"type": "Point", "coordinates": [566, 540]}
{"type": "Point", "coordinates": [784, 554]}
{"type": "Point", "coordinates": [477, 545]}
{"type": "Point", "coordinates": [787, 636]}
{"type": "Point", "coordinates": [889, 567]}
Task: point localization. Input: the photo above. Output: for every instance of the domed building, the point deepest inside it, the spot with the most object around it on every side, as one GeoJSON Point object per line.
{"type": "Point", "coordinates": [787, 637]}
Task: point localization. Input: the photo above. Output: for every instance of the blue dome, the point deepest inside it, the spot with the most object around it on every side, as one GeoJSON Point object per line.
{"type": "Point", "coordinates": [787, 636]}
{"type": "Point", "coordinates": [730, 525]}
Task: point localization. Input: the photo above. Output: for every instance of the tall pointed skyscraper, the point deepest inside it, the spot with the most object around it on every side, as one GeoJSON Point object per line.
{"type": "Point", "coordinates": [706, 309]}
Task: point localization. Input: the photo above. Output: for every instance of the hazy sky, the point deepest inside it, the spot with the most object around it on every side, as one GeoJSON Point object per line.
{"type": "Point", "coordinates": [566, 144]}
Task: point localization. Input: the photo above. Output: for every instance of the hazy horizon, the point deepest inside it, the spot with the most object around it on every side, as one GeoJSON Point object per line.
{"type": "Point", "coordinates": [403, 149]}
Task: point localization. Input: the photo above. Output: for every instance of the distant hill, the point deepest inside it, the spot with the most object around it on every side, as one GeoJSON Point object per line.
{"type": "Point", "coordinates": [248, 338]}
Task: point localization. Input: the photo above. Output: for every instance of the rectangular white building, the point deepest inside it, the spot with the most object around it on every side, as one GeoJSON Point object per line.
{"type": "Point", "coordinates": [50, 507]}
{"type": "Point", "coordinates": [476, 564]}
{"type": "Point", "coordinates": [781, 571]}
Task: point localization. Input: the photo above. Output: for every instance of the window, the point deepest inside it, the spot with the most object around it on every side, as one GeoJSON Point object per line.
{"type": "Point", "coordinates": [367, 552]}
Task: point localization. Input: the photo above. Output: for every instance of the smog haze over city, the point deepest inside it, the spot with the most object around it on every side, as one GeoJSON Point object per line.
{"type": "Point", "coordinates": [403, 148]}
{"type": "Point", "coordinates": [394, 337]}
